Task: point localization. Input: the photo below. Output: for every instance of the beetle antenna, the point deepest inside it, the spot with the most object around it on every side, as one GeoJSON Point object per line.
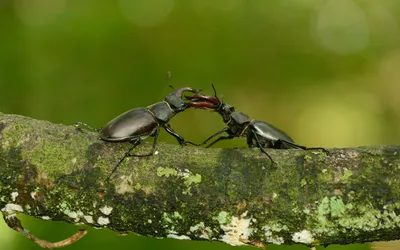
{"type": "Point", "coordinates": [169, 80]}
{"type": "Point", "coordinates": [215, 91]}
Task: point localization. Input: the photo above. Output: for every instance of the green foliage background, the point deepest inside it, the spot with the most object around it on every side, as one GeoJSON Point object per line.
{"type": "Point", "coordinates": [324, 71]}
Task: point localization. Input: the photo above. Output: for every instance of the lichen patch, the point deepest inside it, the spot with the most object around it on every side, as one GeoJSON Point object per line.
{"type": "Point", "coordinates": [33, 195]}
{"type": "Point", "coordinates": [125, 186]}
{"type": "Point", "coordinates": [223, 217]}
{"type": "Point", "coordinates": [11, 208]}
{"type": "Point", "coordinates": [178, 237]}
{"type": "Point", "coordinates": [237, 230]}
{"type": "Point", "coordinates": [14, 195]}
{"type": "Point", "coordinates": [304, 237]}
{"type": "Point", "coordinates": [103, 221]}
{"type": "Point", "coordinates": [274, 228]}
{"type": "Point", "coordinates": [106, 210]}
{"type": "Point", "coordinates": [88, 219]}
{"type": "Point", "coordinates": [200, 228]}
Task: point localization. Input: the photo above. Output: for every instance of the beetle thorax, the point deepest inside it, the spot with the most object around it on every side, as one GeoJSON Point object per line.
{"type": "Point", "coordinates": [240, 118]}
{"type": "Point", "coordinates": [161, 111]}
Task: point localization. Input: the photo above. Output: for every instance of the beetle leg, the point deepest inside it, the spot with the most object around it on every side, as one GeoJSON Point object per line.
{"type": "Point", "coordinates": [227, 137]}
{"type": "Point", "coordinates": [79, 124]}
{"type": "Point", "coordinates": [260, 147]}
{"type": "Point", "coordinates": [180, 139]}
{"type": "Point", "coordinates": [153, 149]}
{"type": "Point", "coordinates": [134, 144]}
{"type": "Point", "coordinates": [209, 138]}
{"type": "Point", "coordinates": [302, 147]}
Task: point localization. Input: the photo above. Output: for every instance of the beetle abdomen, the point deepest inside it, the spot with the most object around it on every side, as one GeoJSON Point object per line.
{"type": "Point", "coordinates": [136, 123]}
{"type": "Point", "coordinates": [270, 132]}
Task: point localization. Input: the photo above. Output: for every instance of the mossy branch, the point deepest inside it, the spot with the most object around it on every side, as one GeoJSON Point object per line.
{"type": "Point", "coordinates": [237, 196]}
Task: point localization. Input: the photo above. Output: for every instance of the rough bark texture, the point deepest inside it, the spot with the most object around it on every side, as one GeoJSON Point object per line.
{"type": "Point", "coordinates": [233, 195]}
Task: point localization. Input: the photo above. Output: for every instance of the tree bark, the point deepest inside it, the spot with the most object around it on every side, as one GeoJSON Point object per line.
{"type": "Point", "coordinates": [238, 196]}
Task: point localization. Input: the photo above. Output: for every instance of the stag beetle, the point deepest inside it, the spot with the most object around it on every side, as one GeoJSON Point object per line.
{"type": "Point", "coordinates": [258, 133]}
{"type": "Point", "coordinates": [137, 124]}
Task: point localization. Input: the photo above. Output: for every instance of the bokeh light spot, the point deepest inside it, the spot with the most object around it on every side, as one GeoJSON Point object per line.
{"type": "Point", "coordinates": [146, 13]}
{"type": "Point", "coordinates": [224, 5]}
{"type": "Point", "coordinates": [340, 123]}
{"type": "Point", "coordinates": [342, 26]}
{"type": "Point", "coordinates": [39, 12]}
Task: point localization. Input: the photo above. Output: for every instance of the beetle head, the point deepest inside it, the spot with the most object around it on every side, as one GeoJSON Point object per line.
{"type": "Point", "coordinates": [175, 99]}
{"type": "Point", "coordinates": [226, 111]}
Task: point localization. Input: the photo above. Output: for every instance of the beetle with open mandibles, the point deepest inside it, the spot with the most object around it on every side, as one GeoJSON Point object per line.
{"type": "Point", "coordinates": [258, 133]}
{"type": "Point", "coordinates": [137, 124]}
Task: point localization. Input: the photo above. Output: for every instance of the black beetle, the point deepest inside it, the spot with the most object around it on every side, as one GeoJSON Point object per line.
{"type": "Point", "coordinates": [137, 124]}
{"type": "Point", "coordinates": [258, 133]}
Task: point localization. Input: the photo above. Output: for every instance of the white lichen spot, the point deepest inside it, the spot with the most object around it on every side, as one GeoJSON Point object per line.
{"type": "Point", "coordinates": [106, 210]}
{"type": "Point", "coordinates": [33, 195]}
{"type": "Point", "coordinates": [72, 215]}
{"type": "Point", "coordinates": [14, 195]}
{"type": "Point", "coordinates": [270, 238]}
{"type": "Point", "coordinates": [276, 240]}
{"type": "Point", "coordinates": [237, 230]}
{"type": "Point", "coordinates": [45, 217]}
{"type": "Point", "coordinates": [103, 221]}
{"type": "Point", "coordinates": [184, 173]}
{"type": "Point", "coordinates": [125, 186]}
{"type": "Point", "coordinates": [204, 231]}
{"type": "Point", "coordinates": [88, 219]}
{"type": "Point", "coordinates": [73, 160]}
{"type": "Point", "coordinates": [304, 237]}
{"type": "Point", "coordinates": [178, 237]}
{"type": "Point", "coordinates": [11, 208]}
{"type": "Point", "coordinates": [196, 227]}
{"type": "Point", "coordinates": [156, 153]}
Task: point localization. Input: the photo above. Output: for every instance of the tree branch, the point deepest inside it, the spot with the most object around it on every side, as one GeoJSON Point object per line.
{"type": "Point", "coordinates": [237, 196]}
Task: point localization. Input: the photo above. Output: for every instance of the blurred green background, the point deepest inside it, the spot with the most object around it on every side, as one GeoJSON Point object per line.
{"type": "Point", "coordinates": [325, 71]}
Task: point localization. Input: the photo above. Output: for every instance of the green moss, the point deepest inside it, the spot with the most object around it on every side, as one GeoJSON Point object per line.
{"type": "Point", "coordinates": [325, 176]}
{"type": "Point", "coordinates": [52, 158]}
{"type": "Point", "coordinates": [307, 158]}
{"type": "Point", "coordinates": [347, 173]}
